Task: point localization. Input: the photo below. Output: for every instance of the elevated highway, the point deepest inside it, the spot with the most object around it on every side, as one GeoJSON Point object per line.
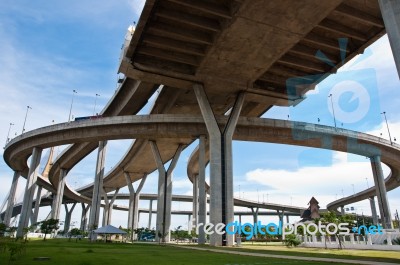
{"type": "Point", "coordinates": [271, 52]}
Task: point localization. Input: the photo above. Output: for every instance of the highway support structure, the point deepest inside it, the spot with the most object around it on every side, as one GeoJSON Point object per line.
{"type": "Point", "coordinates": [85, 210]}
{"type": "Point", "coordinates": [55, 212]}
{"type": "Point", "coordinates": [390, 10]}
{"type": "Point", "coordinates": [11, 198]}
{"type": "Point", "coordinates": [221, 181]}
{"type": "Point", "coordinates": [29, 191]}
{"type": "Point", "coordinates": [381, 193]}
{"type": "Point", "coordinates": [133, 212]}
{"type": "Point", "coordinates": [164, 199]}
{"type": "Point", "coordinates": [107, 210]}
{"type": "Point", "coordinates": [373, 210]}
{"type": "Point", "coordinates": [150, 213]}
{"type": "Point", "coordinates": [68, 215]}
{"type": "Point", "coordinates": [97, 190]}
{"type": "Point", "coordinates": [34, 216]}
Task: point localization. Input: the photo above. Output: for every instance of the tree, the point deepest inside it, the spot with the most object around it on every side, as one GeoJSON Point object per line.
{"type": "Point", "coordinates": [49, 226]}
{"type": "Point", "coordinates": [331, 217]}
{"type": "Point", "coordinates": [75, 233]}
{"type": "Point", "coordinates": [3, 229]}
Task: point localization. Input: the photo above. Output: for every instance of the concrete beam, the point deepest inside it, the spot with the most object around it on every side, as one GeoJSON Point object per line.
{"type": "Point", "coordinates": [29, 191]}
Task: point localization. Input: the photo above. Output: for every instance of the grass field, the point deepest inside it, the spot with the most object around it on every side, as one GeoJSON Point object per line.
{"type": "Point", "coordinates": [63, 252]}
{"type": "Point", "coordinates": [279, 249]}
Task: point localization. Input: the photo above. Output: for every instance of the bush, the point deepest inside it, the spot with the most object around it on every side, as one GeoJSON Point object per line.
{"type": "Point", "coordinates": [291, 240]}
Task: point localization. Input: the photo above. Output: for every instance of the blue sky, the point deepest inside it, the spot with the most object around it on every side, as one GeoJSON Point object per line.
{"type": "Point", "coordinates": [50, 48]}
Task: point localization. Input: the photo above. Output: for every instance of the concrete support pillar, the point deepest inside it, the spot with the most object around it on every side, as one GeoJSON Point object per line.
{"type": "Point", "coordinates": [390, 10]}
{"type": "Point", "coordinates": [29, 191]}
{"type": "Point", "coordinates": [57, 201]}
{"type": "Point", "coordinates": [107, 212]}
{"type": "Point", "coordinates": [97, 189]}
{"type": "Point", "coordinates": [37, 204]}
{"type": "Point", "coordinates": [373, 210]}
{"type": "Point", "coordinates": [221, 181]}
{"type": "Point", "coordinates": [68, 214]}
{"type": "Point", "coordinates": [11, 199]}
{"type": "Point", "coordinates": [202, 211]}
{"type": "Point", "coordinates": [133, 214]}
{"type": "Point", "coordinates": [240, 218]}
{"type": "Point", "coordinates": [150, 214]}
{"type": "Point", "coordinates": [352, 239]}
{"type": "Point", "coordinates": [287, 219]}
{"type": "Point", "coordinates": [164, 199]}
{"type": "Point", "coordinates": [381, 192]}
{"type": "Point", "coordinates": [195, 201]}
{"type": "Point", "coordinates": [85, 209]}
{"type": "Point", "coordinates": [189, 224]}
{"type": "Point", "coordinates": [342, 210]}
{"type": "Point", "coordinates": [255, 214]}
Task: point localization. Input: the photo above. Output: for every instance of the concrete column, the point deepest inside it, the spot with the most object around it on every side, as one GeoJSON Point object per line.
{"type": "Point", "coordinates": [133, 213]}
{"type": "Point", "coordinates": [381, 192]}
{"type": "Point", "coordinates": [68, 214]}
{"type": "Point", "coordinates": [11, 199]}
{"type": "Point", "coordinates": [352, 239]}
{"type": "Point", "coordinates": [107, 212]}
{"type": "Point", "coordinates": [240, 218]}
{"type": "Point", "coordinates": [373, 210]}
{"type": "Point", "coordinates": [150, 214]}
{"type": "Point", "coordinates": [221, 181]}
{"type": "Point", "coordinates": [390, 10]}
{"type": "Point", "coordinates": [202, 188]}
{"type": "Point", "coordinates": [55, 214]}
{"type": "Point", "coordinates": [164, 199]}
{"type": "Point", "coordinates": [255, 214]}
{"type": "Point", "coordinates": [97, 188]}
{"type": "Point", "coordinates": [195, 201]}
{"type": "Point", "coordinates": [342, 210]}
{"type": "Point", "coordinates": [29, 191]}
{"type": "Point", "coordinates": [37, 204]}
{"type": "Point", "coordinates": [85, 209]}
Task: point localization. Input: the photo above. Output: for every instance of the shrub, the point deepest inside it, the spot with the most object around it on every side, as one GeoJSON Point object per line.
{"type": "Point", "coordinates": [291, 240]}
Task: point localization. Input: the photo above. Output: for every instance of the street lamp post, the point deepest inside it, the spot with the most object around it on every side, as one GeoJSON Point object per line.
{"type": "Point", "coordinates": [8, 134]}
{"type": "Point", "coordinates": [390, 138]}
{"type": "Point", "coordinates": [333, 110]}
{"type": "Point", "coordinates": [353, 189]}
{"type": "Point", "coordinates": [26, 115]}
{"type": "Point", "coordinates": [95, 101]}
{"type": "Point", "coordinates": [72, 102]}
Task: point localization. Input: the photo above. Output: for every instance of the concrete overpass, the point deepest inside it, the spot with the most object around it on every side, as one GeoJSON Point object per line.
{"type": "Point", "coordinates": [249, 129]}
{"type": "Point", "coordinates": [251, 54]}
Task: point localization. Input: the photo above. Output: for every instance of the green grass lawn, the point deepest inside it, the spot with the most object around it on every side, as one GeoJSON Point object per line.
{"type": "Point", "coordinates": [279, 249]}
{"type": "Point", "coordinates": [63, 252]}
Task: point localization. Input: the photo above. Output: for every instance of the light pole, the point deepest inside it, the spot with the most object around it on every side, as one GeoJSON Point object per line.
{"type": "Point", "coordinates": [353, 189]}
{"type": "Point", "coordinates": [390, 138]}
{"type": "Point", "coordinates": [26, 115]}
{"type": "Point", "coordinates": [95, 101]}
{"type": "Point", "coordinates": [333, 110]}
{"type": "Point", "coordinates": [8, 134]}
{"type": "Point", "coordinates": [72, 102]}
